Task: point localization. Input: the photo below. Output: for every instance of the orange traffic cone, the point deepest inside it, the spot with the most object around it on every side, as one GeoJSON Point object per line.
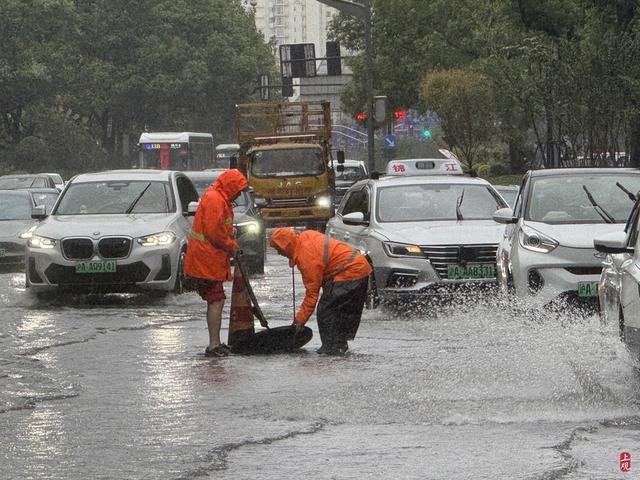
{"type": "Point", "coordinates": [241, 321]}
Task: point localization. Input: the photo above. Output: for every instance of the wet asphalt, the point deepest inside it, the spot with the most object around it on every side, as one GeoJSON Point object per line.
{"type": "Point", "coordinates": [118, 387]}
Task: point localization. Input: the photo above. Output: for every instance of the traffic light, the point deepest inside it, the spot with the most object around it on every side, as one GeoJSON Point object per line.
{"type": "Point", "coordinates": [361, 117]}
{"type": "Point", "coordinates": [400, 115]}
{"type": "Point", "coordinates": [287, 87]}
{"type": "Point", "coordinates": [426, 133]}
{"type": "Point", "coordinates": [334, 62]}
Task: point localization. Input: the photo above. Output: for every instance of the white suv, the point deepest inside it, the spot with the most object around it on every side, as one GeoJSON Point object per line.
{"type": "Point", "coordinates": [547, 253]}
{"type": "Point", "coordinates": [116, 231]}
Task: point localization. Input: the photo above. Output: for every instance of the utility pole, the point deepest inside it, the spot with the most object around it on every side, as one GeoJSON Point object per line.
{"type": "Point", "coordinates": [368, 37]}
{"type": "Point", "coordinates": [363, 10]}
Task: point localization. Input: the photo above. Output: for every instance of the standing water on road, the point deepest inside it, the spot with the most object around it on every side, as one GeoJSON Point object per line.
{"type": "Point", "coordinates": [118, 387]}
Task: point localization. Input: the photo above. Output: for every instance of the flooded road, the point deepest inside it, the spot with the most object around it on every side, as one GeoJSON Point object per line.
{"type": "Point", "coordinates": [118, 387]}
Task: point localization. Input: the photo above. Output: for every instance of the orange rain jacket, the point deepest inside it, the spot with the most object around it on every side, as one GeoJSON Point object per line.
{"type": "Point", "coordinates": [319, 259]}
{"type": "Point", "coordinates": [211, 244]}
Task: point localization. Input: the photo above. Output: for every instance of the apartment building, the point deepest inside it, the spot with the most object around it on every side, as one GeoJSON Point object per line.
{"type": "Point", "coordinates": [293, 21]}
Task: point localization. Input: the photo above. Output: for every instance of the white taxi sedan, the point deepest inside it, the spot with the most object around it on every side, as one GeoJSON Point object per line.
{"type": "Point", "coordinates": [424, 234]}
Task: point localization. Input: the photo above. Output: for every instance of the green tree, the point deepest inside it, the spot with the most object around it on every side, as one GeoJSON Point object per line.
{"type": "Point", "coordinates": [463, 101]}
{"type": "Point", "coordinates": [33, 35]}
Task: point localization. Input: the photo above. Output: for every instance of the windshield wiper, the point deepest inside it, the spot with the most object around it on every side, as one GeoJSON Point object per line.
{"type": "Point", "coordinates": [599, 210]}
{"type": "Point", "coordinates": [458, 205]}
{"type": "Point", "coordinates": [631, 196]}
{"type": "Point", "coordinates": [134, 203]}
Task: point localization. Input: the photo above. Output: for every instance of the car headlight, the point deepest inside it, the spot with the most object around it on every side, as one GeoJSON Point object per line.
{"type": "Point", "coordinates": [157, 239]}
{"type": "Point", "coordinates": [323, 201]}
{"type": "Point", "coordinates": [532, 239]}
{"type": "Point", "coordinates": [36, 241]}
{"type": "Point", "coordinates": [402, 250]}
{"type": "Point", "coordinates": [28, 234]}
{"type": "Point", "coordinates": [252, 228]}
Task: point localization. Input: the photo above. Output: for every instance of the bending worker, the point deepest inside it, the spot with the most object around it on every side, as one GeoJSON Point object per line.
{"type": "Point", "coordinates": [210, 249]}
{"type": "Point", "coordinates": [341, 271]}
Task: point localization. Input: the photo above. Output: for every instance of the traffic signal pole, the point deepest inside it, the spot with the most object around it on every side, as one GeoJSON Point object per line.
{"type": "Point", "coordinates": [371, 153]}
{"type": "Point", "coordinates": [363, 10]}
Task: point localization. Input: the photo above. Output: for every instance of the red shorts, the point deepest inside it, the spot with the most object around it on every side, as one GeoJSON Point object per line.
{"type": "Point", "coordinates": [211, 291]}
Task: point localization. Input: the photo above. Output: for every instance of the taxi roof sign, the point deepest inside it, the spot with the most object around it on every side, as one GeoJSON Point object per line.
{"type": "Point", "coordinates": [424, 166]}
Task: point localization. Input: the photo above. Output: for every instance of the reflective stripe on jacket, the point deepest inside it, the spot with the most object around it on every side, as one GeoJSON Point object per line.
{"type": "Point", "coordinates": [211, 241]}
{"type": "Point", "coordinates": [319, 259]}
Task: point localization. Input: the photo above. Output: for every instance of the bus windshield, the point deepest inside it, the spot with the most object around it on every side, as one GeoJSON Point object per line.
{"type": "Point", "coordinates": [167, 156]}
{"type": "Point", "coordinates": [176, 150]}
{"type": "Point", "coordinates": [289, 162]}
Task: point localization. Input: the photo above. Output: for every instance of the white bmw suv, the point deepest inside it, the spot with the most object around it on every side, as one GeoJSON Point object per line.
{"type": "Point", "coordinates": [116, 231]}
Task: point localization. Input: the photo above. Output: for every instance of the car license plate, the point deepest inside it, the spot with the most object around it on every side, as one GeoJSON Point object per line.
{"type": "Point", "coordinates": [471, 272]}
{"type": "Point", "coordinates": [3, 252]}
{"type": "Point", "coordinates": [96, 267]}
{"type": "Point", "coordinates": [587, 289]}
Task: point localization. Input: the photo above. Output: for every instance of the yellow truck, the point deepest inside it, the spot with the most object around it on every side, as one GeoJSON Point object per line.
{"type": "Point", "coordinates": [285, 154]}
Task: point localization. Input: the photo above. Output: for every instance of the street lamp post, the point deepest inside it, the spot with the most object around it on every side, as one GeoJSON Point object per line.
{"type": "Point", "coordinates": [363, 11]}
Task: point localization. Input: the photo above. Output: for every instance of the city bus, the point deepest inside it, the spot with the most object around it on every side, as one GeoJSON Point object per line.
{"type": "Point", "coordinates": [176, 150]}
{"type": "Point", "coordinates": [224, 152]}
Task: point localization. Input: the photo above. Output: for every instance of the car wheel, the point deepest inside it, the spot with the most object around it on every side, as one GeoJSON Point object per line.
{"type": "Point", "coordinates": [621, 323]}
{"type": "Point", "coordinates": [373, 299]}
{"type": "Point", "coordinates": [178, 286]}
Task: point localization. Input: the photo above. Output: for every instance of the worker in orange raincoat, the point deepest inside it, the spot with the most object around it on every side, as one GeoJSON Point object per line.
{"type": "Point", "coordinates": [210, 249]}
{"type": "Point", "coordinates": [341, 271]}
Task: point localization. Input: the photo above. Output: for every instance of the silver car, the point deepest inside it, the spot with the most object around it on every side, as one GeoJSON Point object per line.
{"type": "Point", "coordinates": [116, 231]}
{"type": "Point", "coordinates": [424, 235]}
{"type": "Point", "coordinates": [547, 253]}
{"type": "Point", "coordinates": [16, 223]}
{"type": "Point", "coordinates": [619, 287]}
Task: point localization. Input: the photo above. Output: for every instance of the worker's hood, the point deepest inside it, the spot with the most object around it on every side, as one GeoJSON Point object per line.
{"type": "Point", "coordinates": [285, 240]}
{"type": "Point", "coordinates": [230, 183]}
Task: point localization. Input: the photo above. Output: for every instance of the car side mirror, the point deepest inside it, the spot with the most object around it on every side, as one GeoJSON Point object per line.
{"type": "Point", "coordinates": [614, 242]}
{"type": "Point", "coordinates": [340, 168]}
{"type": "Point", "coordinates": [39, 212]}
{"type": "Point", "coordinates": [191, 208]}
{"type": "Point", "coordinates": [504, 216]}
{"type": "Point", "coordinates": [354, 218]}
{"type": "Point", "coordinates": [340, 156]}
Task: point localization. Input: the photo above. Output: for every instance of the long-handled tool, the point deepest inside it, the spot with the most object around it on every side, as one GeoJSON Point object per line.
{"type": "Point", "coordinates": [256, 307]}
{"type": "Point", "coordinates": [293, 287]}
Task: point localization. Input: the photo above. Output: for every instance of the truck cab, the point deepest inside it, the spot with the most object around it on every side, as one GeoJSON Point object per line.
{"type": "Point", "coordinates": [286, 157]}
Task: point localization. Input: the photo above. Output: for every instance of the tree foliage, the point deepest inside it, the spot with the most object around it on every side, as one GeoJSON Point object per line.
{"type": "Point", "coordinates": [563, 73]}
{"type": "Point", "coordinates": [109, 69]}
{"type": "Point", "coordinates": [464, 100]}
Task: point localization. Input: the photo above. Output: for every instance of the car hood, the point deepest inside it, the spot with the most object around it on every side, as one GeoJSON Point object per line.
{"type": "Point", "coordinates": [344, 183]}
{"type": "Point", "coordinates": [58, 226]}
{"type": "Point", "coordinates": [575, 235]}
{"type": "Point", "coordinates": [13, 228]}
{"type": "Point", "coordinates": [241, 217]}
{"type": "Point", "coordinates": [444, 233]}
